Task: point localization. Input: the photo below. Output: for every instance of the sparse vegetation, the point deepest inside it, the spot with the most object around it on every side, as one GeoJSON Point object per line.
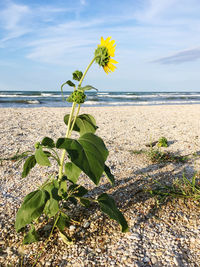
{"type": "Point", "coordinates": [157, 156]}
{"type": "Point", "coordinates": [180, 188]}
{"type": "Point", "coordinates": [19, 157]}
{"type": "Point", "coordinates": [162, 142]}
{"type": "Point", "coordinates": [137, 152]}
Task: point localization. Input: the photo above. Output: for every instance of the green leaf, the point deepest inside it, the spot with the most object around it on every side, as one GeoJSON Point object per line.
{"type": "Point", "coordinates": [52, 205]}
{"type": "Point", "coordinates": [70, 83]}
{"type": "Point", "coordinates": [77, 75]}
{"type": "Point", "coordinates": [72, 172]}
{"type": "Point", "coordinates": [88, 153]}
{"type": "Point", "coordinates": [56, 183]}
{"type": "Point", "coordinates": [73, 200]}
{"type": "Point", "coordinates": [47, 153]}
{"type": "Point", "coordinates": [41, 157]}
{"type": "Point", "coordinates": [109, 175]}
{"type": "Point", "coordinates": [48, 142]}
{"type": "Point", "coordinates": [62, 191]}
{"type": "Point", "coordinates": [87, 88]}
{"type": "Point", "coordinates": [84, 123]}
{"type": "Point", "coordinates": [108, 206]}
{"type": "Point", "coordinates": [69, 99]}
{"type": "Point", "coordinates": [63, 221]}
{"type": "Point", "coordinates": [31, 236]}
{"type": "Point", "coordinates": [84, 201]}
{"type": "Point", "coordinates": [28, 165]}
{"type": "Point", "coordinates": [66, 239]}
{"type": "Point", "coordinates": [31, 208]}
{"type": "Point", "coordinates": [52, 189]}
{"type": "Point", "coordinates": [77, 190]}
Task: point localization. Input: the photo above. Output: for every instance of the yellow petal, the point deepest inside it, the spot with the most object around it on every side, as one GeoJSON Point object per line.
{"type": "Point", "coordinates": [111, 43]}
{"type": "Point", "coordinates": [112, 51]}
{"type": "Point", "coordinates": [108, 39]}
{"type": "Point", "coordinates": [106, 69]}
{"type": "Point", "coordinates": [111, 67]}
{"type": "Point", "coordinates": [113, 61]}
{"type": "Point", "coordinates": [102, 42]}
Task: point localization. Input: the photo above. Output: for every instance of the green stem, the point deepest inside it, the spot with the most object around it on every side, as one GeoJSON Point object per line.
{"type": "Point", "coordinates": [77, 112]}
{"type": "Point", "coordinates": [81, 80]}
{"type": "Point", "coordinates": [66, 136]}
{"type": "Point", "coordinates": [69, 127]}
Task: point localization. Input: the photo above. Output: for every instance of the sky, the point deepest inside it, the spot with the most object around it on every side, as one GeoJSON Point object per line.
{"type": "Point", "coordinates": [157, 43]}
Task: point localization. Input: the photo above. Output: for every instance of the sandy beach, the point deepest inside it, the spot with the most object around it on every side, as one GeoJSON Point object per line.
{"type": "Point", "coordinates": [169, 236]}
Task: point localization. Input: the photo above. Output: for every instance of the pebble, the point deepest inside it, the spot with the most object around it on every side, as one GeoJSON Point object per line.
{"type": "Point", "coordinates": [175, 261]}
{"type": "Point", "coordinates": [146, 259]}
{"type": "Point", "coordinates": [72, 228]}
{"type": "Point", "coordinates": [134, 236]}
{"type": "Point", "coordinates": [153, 260]}
{"type": "Point", "coordinates": [86, 224]}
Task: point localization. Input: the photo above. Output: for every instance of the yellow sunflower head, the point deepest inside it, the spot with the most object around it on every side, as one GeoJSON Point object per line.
{"type": "Point", "coordinates": [104, 53]}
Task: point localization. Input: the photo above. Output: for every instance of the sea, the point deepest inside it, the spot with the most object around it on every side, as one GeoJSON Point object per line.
{"type": "Point", "coordinates": [27, 99]}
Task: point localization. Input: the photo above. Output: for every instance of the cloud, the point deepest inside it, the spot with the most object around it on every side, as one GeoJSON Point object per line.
{"type": "Point", "coordinates": [17, 20]}
{"type": "Point", "coordinates": [52, 32]}
{"type": "Point", "coordinates": [83, 2]}
{"type": "Point", "coordinates": [153, 9]}
{"type": "Point", "coordinates": [180, 57]}
{"type": "Point", "coordinates": [11, 21]}
{"type": "Point", "coordinates": [12, 15]}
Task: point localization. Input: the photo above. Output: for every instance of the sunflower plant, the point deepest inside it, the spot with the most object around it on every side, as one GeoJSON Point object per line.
{"type": "Point", "coordinates": [86, 154]}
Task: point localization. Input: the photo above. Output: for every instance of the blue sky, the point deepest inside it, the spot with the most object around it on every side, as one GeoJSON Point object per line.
{"type": "Point", "coordinates": [43, 42]}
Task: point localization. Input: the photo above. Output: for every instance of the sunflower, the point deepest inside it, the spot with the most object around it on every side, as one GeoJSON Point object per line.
{"type": "Point", "coordinates": [104, 54]}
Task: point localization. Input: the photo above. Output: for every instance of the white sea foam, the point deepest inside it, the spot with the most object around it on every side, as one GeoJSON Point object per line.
{"type": "Point", "coordinates": [103, 93]}
{"type": "Point", "coordinates": [175, 95]}
{"type": "Point", "coordinates": [121, 96]}
{"type": "Point", "coordinates": [10, 95]}
{"type": "Point", "coordinates": [104, 103]}
{"type": "Point", "coordinates": [44, 94]}
{"type": "Point", "coordinates": [33, 102]}
{"type": "Point", "coordinates": [33, 96]}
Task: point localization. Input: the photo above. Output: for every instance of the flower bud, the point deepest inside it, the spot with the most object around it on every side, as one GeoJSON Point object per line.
{"type": "Point", "coordinates": [77, 97]}
{"type": "Point", "coordinates": [37, 145]}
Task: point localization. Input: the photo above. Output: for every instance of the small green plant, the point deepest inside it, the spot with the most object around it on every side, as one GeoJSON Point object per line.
{"type": "Point", "coordinates": [180, 188]}
{"type": "Point", "coordinates": [17, 157]}
{"type": "Point", "coordinates": [137, 152]}
{"type": "Point", "coordinates": [86, 154]}
{"type": "Point", "coordinates": [162, 142]}
{"type": "Point", "coordinates": [157, 156]}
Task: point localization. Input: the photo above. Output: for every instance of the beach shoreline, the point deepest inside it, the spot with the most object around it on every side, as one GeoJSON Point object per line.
{"type": "Point", "coordinates": [171, 240]}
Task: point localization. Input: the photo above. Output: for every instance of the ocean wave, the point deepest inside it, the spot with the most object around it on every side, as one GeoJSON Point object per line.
{"type": "Point", "coordinates": [19, 96]}
{"type": "Point", "coordinates": [32, 96]}
{"type": "Point", "coordinates": [54, 98]}
{"type": "Point", "coordinates": [91, 103]}
{"type": "Point", "coordinates": [120, 96]}
{"type": "Point", "coordinates": [103, 93]}
{"type": "Point", "coordinates": [2, 95]}
{"type": "Point", "coordinates": [142, 103]}
{"type": "Point", "coordinates": [178, 95]}
{"type": "Point", "coordinates": [32, 102]}
{"type": "Point", "coordinates": [45, 94]}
